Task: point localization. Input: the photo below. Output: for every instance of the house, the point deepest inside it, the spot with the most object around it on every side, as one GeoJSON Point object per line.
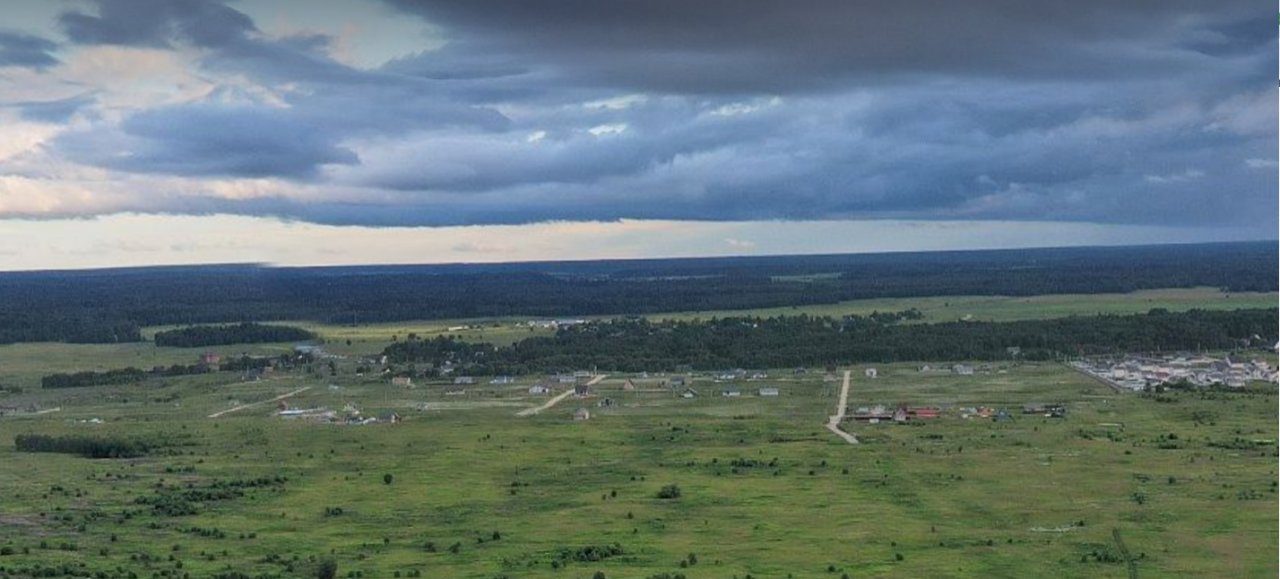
{"type": "Point", "coordinates": [502, 380]}
{"type": "Point", "coordinates": [582, 414]}
{"type": "Point", "coordinates": [606, 403]}
{"type": "Point", "coordinates": [390, 418]}
{"type": "Point", "coordinates": [455, 391]}
{"type": "Point", "coordinates": [767, 392]}
{"type": "Point", "coordinates": [210, 359]}
{"type": "Point", "coordinates": [923, 413]}
{"type": "Point", "coordinates": [730, 393]}
{"type": "Point", "coordinates": [873, 415]}
{"type": "Point", "coordinates": [1033, 408]}
{"type": "Point", "coordinates": [581, 390]}
{"type": "Point", "coordinates": [539, 390]}
{"type": "Point", "coordinates": [735, 374]}
{"type": "Point", "coordinates": [870, 372]}
{"type": "Point", "coordinates": [758, 376]}
{"type": "Point", "coordinates": [962, 370]}
{"type": "Point", "coordinates": [402, 381]}
{"type": "Point", "coordinates": [464, 380]}
{"type": "Point", "coordinates": [1002, 415]}
{"type": "Point", "coordinates": [800, 371]}
{"type": "Point", "coordinates": [628, 386]}
{"type": "Point", "coordinates": [926, 368]}
{"type": "Point", "coordinates": [565, 378]}
{"type": "Point", "coordinates": [677, 381]}
{"type": "Point", "coordinates": [900, 415]}
{"type": "Point", "coordinates": [582, 374]}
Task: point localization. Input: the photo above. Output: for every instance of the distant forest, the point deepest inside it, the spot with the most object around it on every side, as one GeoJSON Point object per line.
{"type": "Point", "coordinates": [112, 305]}
{"type": "Point", "coordinates": [635, 345]}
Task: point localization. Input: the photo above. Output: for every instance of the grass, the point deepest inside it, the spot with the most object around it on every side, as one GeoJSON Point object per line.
{"type": "Point", "coordinates": [955, 497]}
{"type": "Point", "coordinates": [1188, 478]}
{"type": "Point", "coordinates": [1007, 308]}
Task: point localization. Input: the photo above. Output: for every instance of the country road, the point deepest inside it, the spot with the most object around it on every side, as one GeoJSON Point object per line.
{"type": "Point", "coordinates": [558, 398]}
{"type": "Point", "coordinates": [834, 423]}
{"type": "Point", "coordinates": [252, 404]}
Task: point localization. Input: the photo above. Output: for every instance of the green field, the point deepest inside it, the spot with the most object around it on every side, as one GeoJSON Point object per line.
{"type": "Point", "coordinates": [1187, 478]}
{"type": "Point", "coordinates": [1007, 308]}
{"type": "Point", "coordinates": [953, 497]}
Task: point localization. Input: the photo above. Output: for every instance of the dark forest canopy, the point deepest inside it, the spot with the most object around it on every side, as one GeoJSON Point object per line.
{"type": "Point", "coordinates": [221, 335]}
{"type": "Point", "coordinates": [634, 345]}
{"type": "Point", "coordinates": [111, 305]}
{"type": "Point", "coordinates": [86, 446]}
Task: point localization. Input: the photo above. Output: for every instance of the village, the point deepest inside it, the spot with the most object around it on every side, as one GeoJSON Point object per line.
{"type": "Point", "coordinates": [583, 388]}
{"type": "Point", "coordinates": [1140, 372]}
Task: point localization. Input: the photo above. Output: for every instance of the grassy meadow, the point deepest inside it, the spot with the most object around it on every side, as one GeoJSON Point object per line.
{"type": "Point", "coordinates": [1034, 497]}
{"type": "Point", "coordinates": [1187, 479]}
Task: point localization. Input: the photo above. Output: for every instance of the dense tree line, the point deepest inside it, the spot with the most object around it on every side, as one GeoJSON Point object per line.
{"type": "Point", "coordinates": [118, 376]}
{"type": "Point", "coordinates": [110, 305]}
{"type": "Point", "coordinates": [221, 335]}
{"type": "Point", "coordinates": [634, 345]}
{"type": "Point", "coordinates": [91, 378]}
{"type": "Point", "coordinates": [86, 446]}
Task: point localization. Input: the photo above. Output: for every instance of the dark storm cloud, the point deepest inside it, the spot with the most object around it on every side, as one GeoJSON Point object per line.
{"type": "Point", "coordinates": [290, 139]}
{"type": "Point", "coordinates": [209, 140]}
{"type": "Point", "coordinates": [54, 111]}
{"type": "Point", "coordinates": [156, 23]}
{"type": "Point", "coordinates": [19, 49]}
{"type": "Point", "coordinates": [782, 46]}
{"type": "Point", "coordinates": [1147, 112]}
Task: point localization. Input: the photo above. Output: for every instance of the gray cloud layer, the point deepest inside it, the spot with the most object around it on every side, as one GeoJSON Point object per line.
{"type": "Point", "coordinates": [1146, 112]}
{"type": "Point", "coordinates": [28, 50]}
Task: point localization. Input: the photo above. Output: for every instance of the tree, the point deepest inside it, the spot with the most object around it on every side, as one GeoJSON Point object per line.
{"type": "Point", "coordinates": [328, 569]}
{"type": "Point", "coordinates": [669, 492]}
{"type": "Point", "coordinates": [387, 478]}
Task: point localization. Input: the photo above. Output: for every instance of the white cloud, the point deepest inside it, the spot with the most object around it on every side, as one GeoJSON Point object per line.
{"type": "Point", "coordinates": [1182, 177]}
{"type": "Point", "coordinates": [1260, 163]}
{"type": "Point", "coordinates": [617, 103]}
{"type": "Point", "coordinates": [608, 129]}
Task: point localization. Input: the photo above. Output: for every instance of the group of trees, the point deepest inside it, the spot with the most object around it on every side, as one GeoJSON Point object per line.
{"type": "Point", "coordinates": [634, 345]}
{"type": "Point", "coordinates": [221, 335]}
{"type": "Point", "coordinates": [130, 374]}
{"type": "Point", "coordinates": [110, 305]}
{"type": "Point", "coordinates": [86, 446]}
{"type": "Point", "coordinates": [118, 376]}
{"type": "Point", "coordinates": [91, 378]}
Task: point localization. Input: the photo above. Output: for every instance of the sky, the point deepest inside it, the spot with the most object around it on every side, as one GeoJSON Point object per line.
{"type": "Point", "coordinates": [307, 132]}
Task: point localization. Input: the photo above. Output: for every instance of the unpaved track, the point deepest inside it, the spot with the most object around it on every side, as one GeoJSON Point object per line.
{"type": "Point", "coordinates": [252, 404]}
{"type": "Point", "coordinates": [833, 424]}
{"type": "Point", "coordinates": [558, 398]}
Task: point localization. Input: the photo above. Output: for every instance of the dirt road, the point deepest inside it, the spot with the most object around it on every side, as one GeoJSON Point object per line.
{"type": "Point", "coordinates": [833, 424]}
{"type": "Point", "coordinates": [558, 397]}
{"type": "Point", "coordinates": [252, 404]}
